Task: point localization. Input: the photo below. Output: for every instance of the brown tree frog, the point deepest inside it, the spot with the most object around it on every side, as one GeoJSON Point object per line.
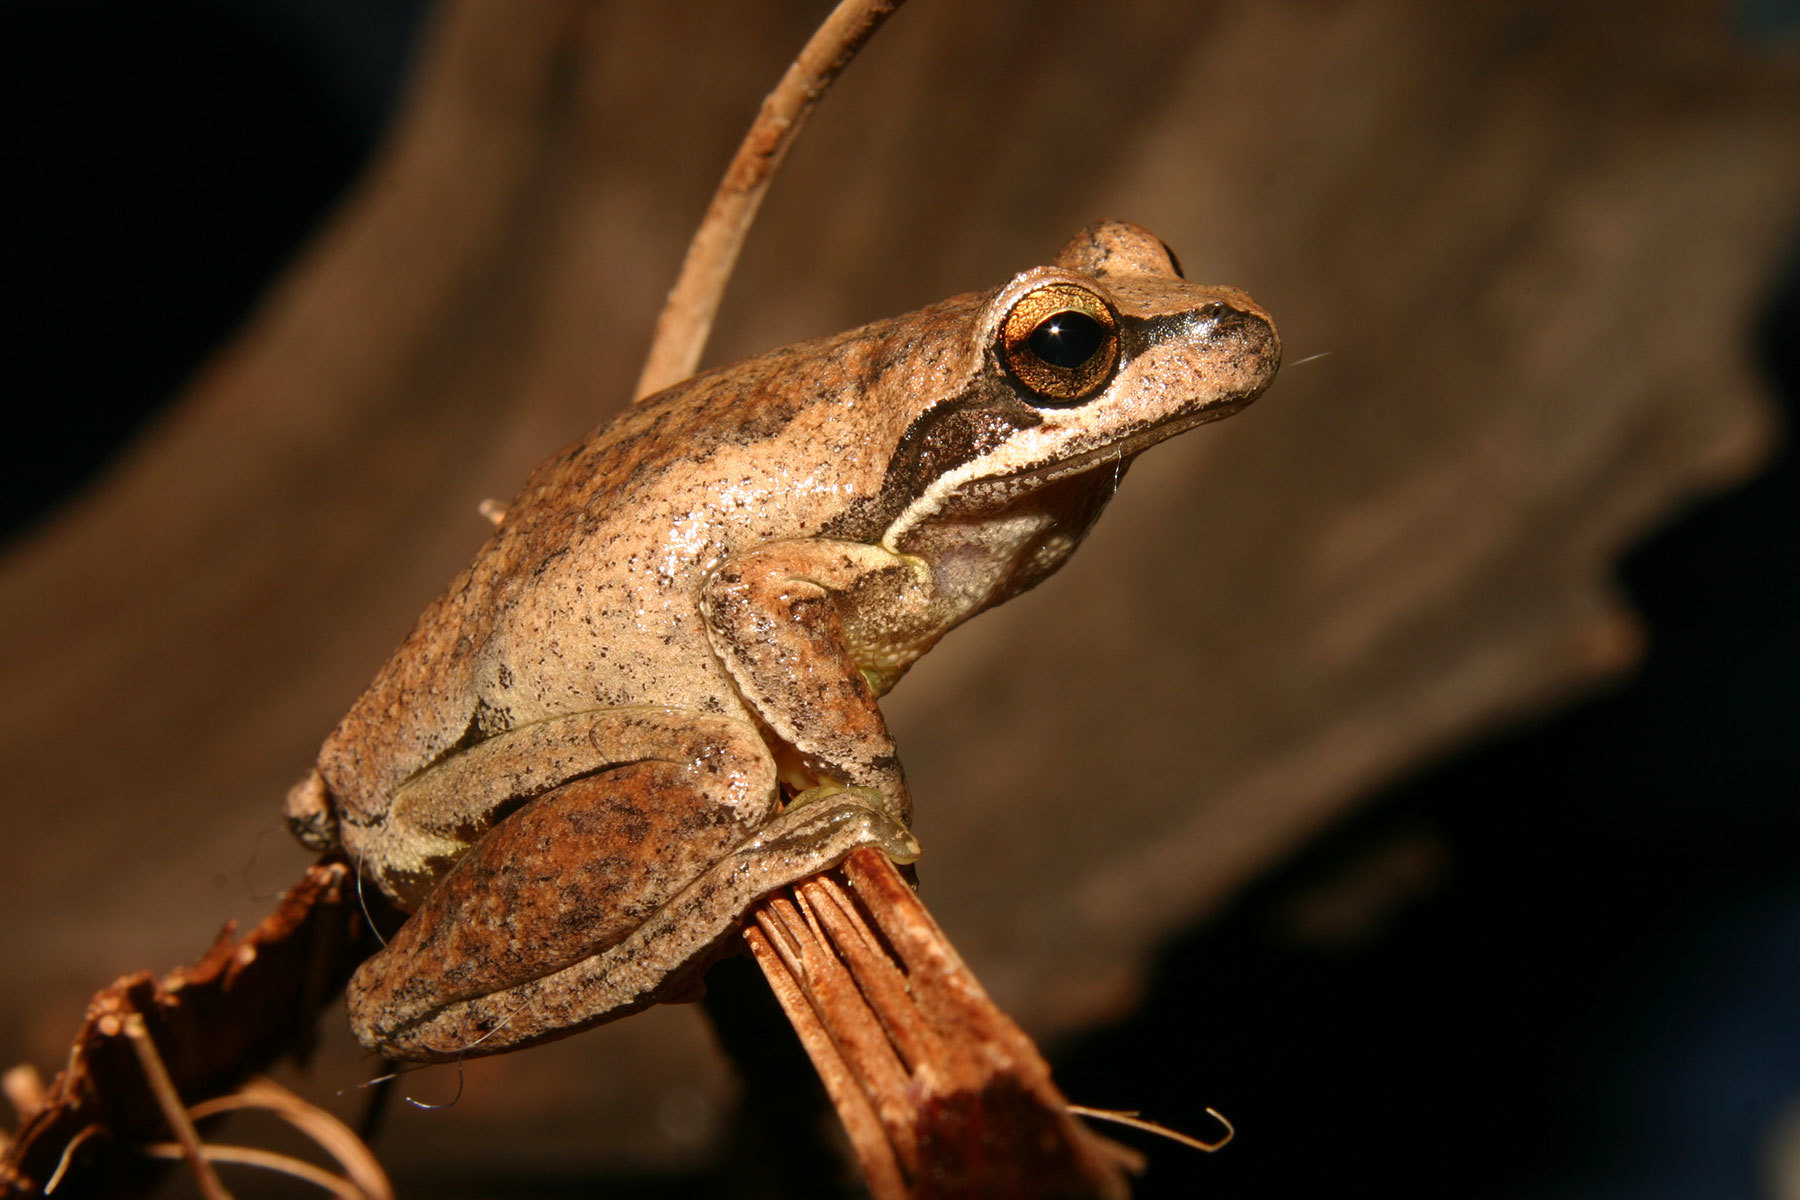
{"type": "Point", "coordinates": [651, 698]}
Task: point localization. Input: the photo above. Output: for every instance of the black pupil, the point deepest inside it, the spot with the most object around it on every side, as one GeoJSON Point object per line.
{"type": "Point", "coordinates": [1067, 339]}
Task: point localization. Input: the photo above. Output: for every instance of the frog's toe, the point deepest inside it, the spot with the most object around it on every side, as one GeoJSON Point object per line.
{"type": "Point", "coordinates": [903, 849]}
{"type": "Point", "coordinates": [889, 836]}
{"type": "Point", "coordinates": [836, 821]}
{"type": "Point", "coordinates": [839, 793]}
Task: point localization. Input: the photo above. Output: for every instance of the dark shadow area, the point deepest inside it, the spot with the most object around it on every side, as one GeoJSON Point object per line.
{"type": "Point", "coordinates": [138, 236]}
{"type": "Point", "coordinates": [1597, 997]}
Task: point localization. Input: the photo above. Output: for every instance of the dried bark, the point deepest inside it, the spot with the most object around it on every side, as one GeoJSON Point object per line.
{"type": "Point", "coordinates": [209, 1026]}
{"type": "Point", "coordinates": [940, 1093]}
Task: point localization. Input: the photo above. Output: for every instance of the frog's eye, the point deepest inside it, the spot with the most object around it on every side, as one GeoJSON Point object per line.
{"type": "Point", "coordinates": [1061, 341]}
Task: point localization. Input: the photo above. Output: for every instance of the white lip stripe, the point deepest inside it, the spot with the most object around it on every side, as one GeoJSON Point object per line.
{"type": "Point", "coordinates": [1041, 469]}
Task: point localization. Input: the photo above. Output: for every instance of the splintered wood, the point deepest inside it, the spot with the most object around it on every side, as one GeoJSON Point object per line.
{"type": "Point", "coordinates": [940, 1093]}
{"type": "Point", "coordinates": [150, 1046]}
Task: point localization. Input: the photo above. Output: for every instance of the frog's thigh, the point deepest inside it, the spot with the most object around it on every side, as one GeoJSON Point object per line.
{"type": "Point", "coordinates": [660, 957]}
{"type": "Point", "coordinates": [727, 756]}
{"type": "Point", "coordinates": [569, 874]}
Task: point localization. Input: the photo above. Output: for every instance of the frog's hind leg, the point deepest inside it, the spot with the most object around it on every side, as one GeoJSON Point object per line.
{"type": "Point", "coordinates": [593, 901]}
{"type": "Point", "coordinates": [437, 816]}
{"type": "Point", "coordinates": [571, 872]}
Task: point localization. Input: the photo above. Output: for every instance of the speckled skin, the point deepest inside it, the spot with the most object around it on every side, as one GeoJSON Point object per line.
{"type": "Point", "coordinates": [707, 596]}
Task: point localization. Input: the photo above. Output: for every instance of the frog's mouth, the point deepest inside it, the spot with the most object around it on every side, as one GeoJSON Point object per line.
{"type": "Point", "coordinates": [1117, 450]}
{"type": "Point", "coordinates": [972, 492]}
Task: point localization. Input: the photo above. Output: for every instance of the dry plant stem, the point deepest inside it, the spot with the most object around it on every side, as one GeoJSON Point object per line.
{"type": "Point", "coordinates": [1135, 1121]}
{"type": "Point", "coordinates": [868, 1140]}
{"type": "Point", "coordinates": [362, 1169]}
{"type": "Point", "coordinates": [362, 1175]}
{"type": "Point", "coordinates": [268, 1160]}
{"type": "Point", "coordinates": [940, 1093]}
{"type": "Point", "coordinates": [195, 1031]}
{"type": "Point", "coordinates": [68, 1156]}
{"type": "Point", "coordinates": [172, 1108]}
{"type": "Point", "coordinates": [687, 316]}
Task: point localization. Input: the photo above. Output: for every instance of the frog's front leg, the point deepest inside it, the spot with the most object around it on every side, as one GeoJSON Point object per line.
{"type": "Point", "coordinates": [813, 631]}
{"type": "Point", "coordinates": [600, 895]}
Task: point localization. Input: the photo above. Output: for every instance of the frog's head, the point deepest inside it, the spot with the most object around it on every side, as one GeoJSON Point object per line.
{"type": "Point", "coordinates": [1075, 368]}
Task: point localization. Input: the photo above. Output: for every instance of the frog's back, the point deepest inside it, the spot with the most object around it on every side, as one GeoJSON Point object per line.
{"type": "Point", "coordinates": [586, 596]}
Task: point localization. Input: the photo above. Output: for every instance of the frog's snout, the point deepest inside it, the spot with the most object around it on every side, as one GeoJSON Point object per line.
{"type": "Point", "coordinates": [1244, 334]}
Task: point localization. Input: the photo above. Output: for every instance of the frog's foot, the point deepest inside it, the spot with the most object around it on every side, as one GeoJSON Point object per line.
{"type": "Point", "coordinates": [845, 793]}
{"type": "Point", "coordinates": [661, 958]}
{"type": "Point", "coordinates": [819, 816]}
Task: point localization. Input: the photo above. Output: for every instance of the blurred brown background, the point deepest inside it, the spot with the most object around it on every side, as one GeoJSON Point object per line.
{"type": "Point", "coordinates": [1537, 245]}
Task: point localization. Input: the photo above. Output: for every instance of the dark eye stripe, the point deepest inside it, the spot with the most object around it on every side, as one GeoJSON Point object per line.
{"type": "Point", "coordinates": [954, 431]}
